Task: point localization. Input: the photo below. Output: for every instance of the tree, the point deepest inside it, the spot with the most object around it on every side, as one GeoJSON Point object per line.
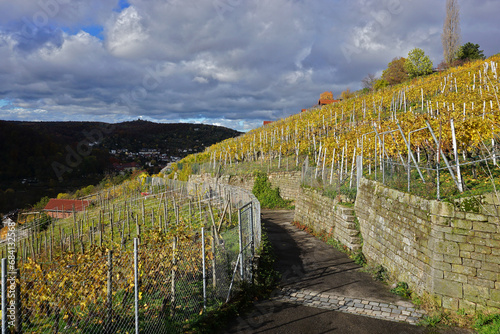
{"type": "Point", "coordinates": [469, 51]}
{"type": "Point", "coordinates": [369, 81]}
{"type": "Point", "coordinates": [418, 63]}
{"type": "Point", "coordinates": [346, 94]}
{"type": "Point", "coordinates": [395, 72]}
{"type": "Point", "coordinates": [451, 31]}
{"type": "Point", "coordinates": [380, 83]}
{"type": "Point", "coordinates": [326, 96]}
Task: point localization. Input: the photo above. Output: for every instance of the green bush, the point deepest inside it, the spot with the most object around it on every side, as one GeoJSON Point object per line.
{"type": "Point", "coordinates": [402, 290]}
{"type": "Point", "coordinates": [487, 323]}
{"type": "Point", "coordinates": [41, 203]}
{"type": "Point", "coordinates": [268, 196]}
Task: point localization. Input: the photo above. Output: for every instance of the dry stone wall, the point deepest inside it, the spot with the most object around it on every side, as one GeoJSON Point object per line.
{"type": "Point", "coordinates": [324, 214]}
{"type": "Point", "coordinates": [435, 247]}
{"type": "Point", "coordinates": [288, 182]}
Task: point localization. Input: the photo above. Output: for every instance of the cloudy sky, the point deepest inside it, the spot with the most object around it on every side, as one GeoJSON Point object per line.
{"type": "Point", "coordinates": [227, 62]}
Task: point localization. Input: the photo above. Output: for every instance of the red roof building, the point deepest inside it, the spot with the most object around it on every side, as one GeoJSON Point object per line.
{"type": "Point", "coordinates": [63, 208]}
{"type": "Point", "coordinates": [322, 102]}
{"type": "Point", "coordinates": [267, 122]}
{"type": "Point", "coordinates": [326, 98]}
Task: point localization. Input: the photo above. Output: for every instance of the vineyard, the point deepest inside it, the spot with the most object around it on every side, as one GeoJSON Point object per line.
{"type": "Point", "coordinates": [440, 129]}
{"type": "Point", "coordinates": [150, 254]}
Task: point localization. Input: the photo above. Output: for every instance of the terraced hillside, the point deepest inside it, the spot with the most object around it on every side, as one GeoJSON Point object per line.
{"type": "Point", "coordinates": [455, 112]}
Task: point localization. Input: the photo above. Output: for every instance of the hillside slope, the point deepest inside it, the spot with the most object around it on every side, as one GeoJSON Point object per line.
{"type": "Point", "coordinates": [30, 150]}
{"type": "Point", "coordinates": [468, 95]}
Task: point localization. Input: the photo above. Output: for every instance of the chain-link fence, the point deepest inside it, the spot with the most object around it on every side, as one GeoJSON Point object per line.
{"type": "Point", "coordinates": [153, 263]}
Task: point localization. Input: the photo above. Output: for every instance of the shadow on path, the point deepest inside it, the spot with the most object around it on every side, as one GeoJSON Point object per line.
{"type": "Point", "coordinates": [308, 263]}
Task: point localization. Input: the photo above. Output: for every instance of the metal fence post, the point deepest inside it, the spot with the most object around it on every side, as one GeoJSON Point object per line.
{"type": "Point", "coordinates": [241, 244]}
{"type": "Point", "coordinates": [109, 297]}
{"type": "Point", "coordinates": [359, 170]}
{"type": "Point", "coordinates": [136, 284]}
{"type": "Point", "coordinates": [4, 296]}
{"type": "Point", "coordinates": [252, 240]}
{"type": "Point", "coordinates": [18, 323]}
{"type": "Point", "coordinates": [204, 268]}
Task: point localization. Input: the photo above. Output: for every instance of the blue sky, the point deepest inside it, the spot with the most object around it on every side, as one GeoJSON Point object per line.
{"type": "Point", "coordinates": [225, 62]}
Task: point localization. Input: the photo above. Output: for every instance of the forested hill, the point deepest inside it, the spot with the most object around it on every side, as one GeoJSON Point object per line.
{"type": "Point", "coordinates": [29, 150]}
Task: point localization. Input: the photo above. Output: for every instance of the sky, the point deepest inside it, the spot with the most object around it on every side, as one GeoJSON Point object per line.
{"type": "Point", "coordinates": [233, 63]}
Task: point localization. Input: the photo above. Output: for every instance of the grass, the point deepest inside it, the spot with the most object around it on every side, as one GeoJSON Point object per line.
{"type": "Point", "coordinates": [402, 290]}
{"type": "Point", "coordinates": [378, 273]}
{"type": "Point", "coordinates": [487, 323]}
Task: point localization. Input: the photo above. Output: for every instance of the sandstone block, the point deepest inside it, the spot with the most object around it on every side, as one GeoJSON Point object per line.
{"type": "Point", "coordinates": [493, 243]}
{"type": "Point", "coordinates": [461, 223]}
{"type": "Point", "coordinates": [452, 259]}
{"type": "Point", "coordinates": [466, 247]}
{"type": "Point", "coordinates": [447, 247]}
{"type": "Point", "coordinates": [455, 277]}
{"type": "Point", "coordinates": [448, 288]}
{"type": "Point", "coordinates": [465, 270]}
{"type": "Point", "coordinates": [450, 303]}
{"type": "Point", "coordinates": [492, 258]}
{"type": "Point", "coordinates": [481, 282]}
{"type": "Point", "coordinates": [476, 217]}
{"type": "Point", "coordinates": [477, 294]}
{"type": "Point", "coordinates": [442, 208]}
{"type": "Point", "coordinates": [484, 227]}
{"type": "Point", "coordinates": [494, 267]}
{"type": "Point", "coordinates": [487, 275]}
{"type": "Point", "coordinates": [482, 249]}
{"type": "Point", "coordinates": [456, 237]}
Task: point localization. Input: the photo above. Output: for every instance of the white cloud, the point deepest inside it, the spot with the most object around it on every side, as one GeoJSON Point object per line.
{"type": "Point", "coordinates": [126, 35]}
{"type": "Point", "coordinates": [177, 60]}
{"type": "Point", "coordinates": [201, 80]}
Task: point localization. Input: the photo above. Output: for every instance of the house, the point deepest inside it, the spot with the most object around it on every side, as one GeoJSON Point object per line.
{"type": "Point", "coordinates": [123, 168]}
{"type": "Point", "coordinates": [7, 222]}
{"type": "Point", "coordinates": [63, 208]}
{"type": "Point", "coordinates": [326, 98]}
{"type": "Point", "coordinates": [323, 102]}
{"type": "Point", "coordinates": [267, 122]}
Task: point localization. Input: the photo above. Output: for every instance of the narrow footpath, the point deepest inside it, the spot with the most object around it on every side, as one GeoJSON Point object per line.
{"type": "Point", "coordinates": [323, 291]}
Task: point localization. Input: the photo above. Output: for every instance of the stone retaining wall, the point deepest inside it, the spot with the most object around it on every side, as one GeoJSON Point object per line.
{"type": "Point", "coordinates": [327, 215]}
{"type": "Point", "coordinates": [434, 246]}
{"type": "Point", "coordinates": [288, 182]}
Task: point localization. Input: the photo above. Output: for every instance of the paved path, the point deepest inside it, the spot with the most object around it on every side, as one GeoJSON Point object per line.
{"type": "Point", "coordinates": [323, 291]}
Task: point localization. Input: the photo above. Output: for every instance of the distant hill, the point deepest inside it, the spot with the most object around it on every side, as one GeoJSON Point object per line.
{"type": "Point", "coordinates": [42, 153]}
